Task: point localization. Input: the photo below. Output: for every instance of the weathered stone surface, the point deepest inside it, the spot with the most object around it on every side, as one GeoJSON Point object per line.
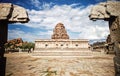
{"type": "Point", "coordinates": [109, 46]}
{"type": "Point", "coordinates": [108, 40]}
{"type": "Point", "coordinates": [99, 12]}
{"type": "Point", "coordinates": [9, 13]}
{"type": "Point", "coordinates": [105, 10]}
{"type": "Point", "coordinates": [5, 9]}
{"type": "Point", "coordinates": [117, 65]}
{"type": "Point", "coordinates": [113, 11]}
{"type": "Point", "coordinates": [17, 42]}
{"type": "Point", "coordinates": [13, 13]}
{"type": "Point", "coordinates": [114, 25]}
{"type": "Point", "coordinates": [59, 32]}
{"type": "Point", "coordinates": [113, 8]}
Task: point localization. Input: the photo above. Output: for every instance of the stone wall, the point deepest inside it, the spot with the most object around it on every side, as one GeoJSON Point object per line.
{"type": "Point", "coordinates": [43, 44]}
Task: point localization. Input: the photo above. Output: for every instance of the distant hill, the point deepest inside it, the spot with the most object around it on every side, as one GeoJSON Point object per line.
{"type": "Point", "coordinates": [96, 40]}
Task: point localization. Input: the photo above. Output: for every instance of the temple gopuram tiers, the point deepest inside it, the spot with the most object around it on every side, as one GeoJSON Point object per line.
{"type": "Point", "coordinates": [59, 32]}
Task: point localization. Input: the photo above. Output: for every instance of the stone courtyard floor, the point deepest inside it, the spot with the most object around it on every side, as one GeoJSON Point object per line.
{"type": "Point", "coordinates": [23, 64]}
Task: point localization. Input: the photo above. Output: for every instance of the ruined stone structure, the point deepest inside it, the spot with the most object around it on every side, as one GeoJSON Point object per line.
{"type": "Point", "coordinates": [9, 13]}
{"type": "Point", "coordinates": [60, 42]}
{"type": "Point", "coordinates": [59, 32]}
{"type": "Point", "coordinates": [110, 11]}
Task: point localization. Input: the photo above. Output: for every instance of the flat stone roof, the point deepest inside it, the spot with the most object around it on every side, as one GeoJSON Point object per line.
{"type": "Point", "coordinates": [60, 40]}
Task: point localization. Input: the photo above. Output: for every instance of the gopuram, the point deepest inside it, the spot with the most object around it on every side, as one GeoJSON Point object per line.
{"type": "Point", "coordinates": [59, 32]}
{"type": "Point", "coordinates": [60, 42]}
{"type": "Point", "coordinates": [110, 11]}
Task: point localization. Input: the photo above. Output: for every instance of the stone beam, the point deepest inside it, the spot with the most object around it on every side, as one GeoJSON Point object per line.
{"type": "Point", "coordinates": [13, 13]}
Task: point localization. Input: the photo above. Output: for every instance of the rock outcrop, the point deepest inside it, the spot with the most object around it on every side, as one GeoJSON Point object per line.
{"type": "Point", "coordinates": [16, 42]}
{"type": "Point", "coordinates": [110, 11]}
{"type": "Point", "coordinates": [59, 32]}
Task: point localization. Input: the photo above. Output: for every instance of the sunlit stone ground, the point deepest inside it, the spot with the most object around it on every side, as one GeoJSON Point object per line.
{"type": "Point", "coordinates": [23, 64]}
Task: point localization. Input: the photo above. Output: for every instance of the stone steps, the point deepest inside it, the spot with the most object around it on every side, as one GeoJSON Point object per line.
{"type": "Point", "coordinates": [62, 53]}
{"type": "Point", "coordinates": [62, 49]}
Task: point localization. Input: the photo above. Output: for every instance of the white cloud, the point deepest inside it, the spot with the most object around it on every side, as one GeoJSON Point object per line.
{"type": "Point", "coordinates": [17, 33]}
{"type": "Point", "coordinates": [28, 36]}
{"type": "Point", "coordinates": [40, 4]}
{"type": "Point", "coordinates": [35, 3]}
{"type": "Point", "coordinates": [75, 20]}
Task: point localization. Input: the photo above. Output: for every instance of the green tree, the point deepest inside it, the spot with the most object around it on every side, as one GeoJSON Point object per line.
{"type": "Point", "coordinates": [27, 46]}
{"type": "Point", "coordinates": [30, 45]}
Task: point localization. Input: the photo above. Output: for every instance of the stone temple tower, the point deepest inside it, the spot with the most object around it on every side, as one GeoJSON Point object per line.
{"type": "Point", "coordinates": [59, 32]}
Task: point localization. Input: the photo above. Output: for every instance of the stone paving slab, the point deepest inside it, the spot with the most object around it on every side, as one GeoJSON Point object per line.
{"type": "Point", "coordinates": [23, 64]}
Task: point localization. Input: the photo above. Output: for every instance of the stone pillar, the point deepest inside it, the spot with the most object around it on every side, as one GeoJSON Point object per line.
{"type": "Point", "coordinates": [9, 14]}
{"type": "Point", "coordinates": [3, 40]}
{"type": "Point", "coordinates": [110, 11]}
{"type": "Point", "coordinates": [114, 25]}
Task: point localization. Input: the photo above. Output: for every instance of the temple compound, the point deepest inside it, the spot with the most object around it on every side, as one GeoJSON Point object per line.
{"type": "Point", "coordinates": [60, 40]}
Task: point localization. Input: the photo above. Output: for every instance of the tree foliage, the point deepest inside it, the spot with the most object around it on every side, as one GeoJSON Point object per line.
{"type": "Point", "coordinates": [27, 46]}
{"type": "Point", "coordinates": [24, 46]}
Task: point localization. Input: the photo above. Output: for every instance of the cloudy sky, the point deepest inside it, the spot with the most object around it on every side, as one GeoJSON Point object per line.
{"type": "Point", "coordinates": [45, 14]}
